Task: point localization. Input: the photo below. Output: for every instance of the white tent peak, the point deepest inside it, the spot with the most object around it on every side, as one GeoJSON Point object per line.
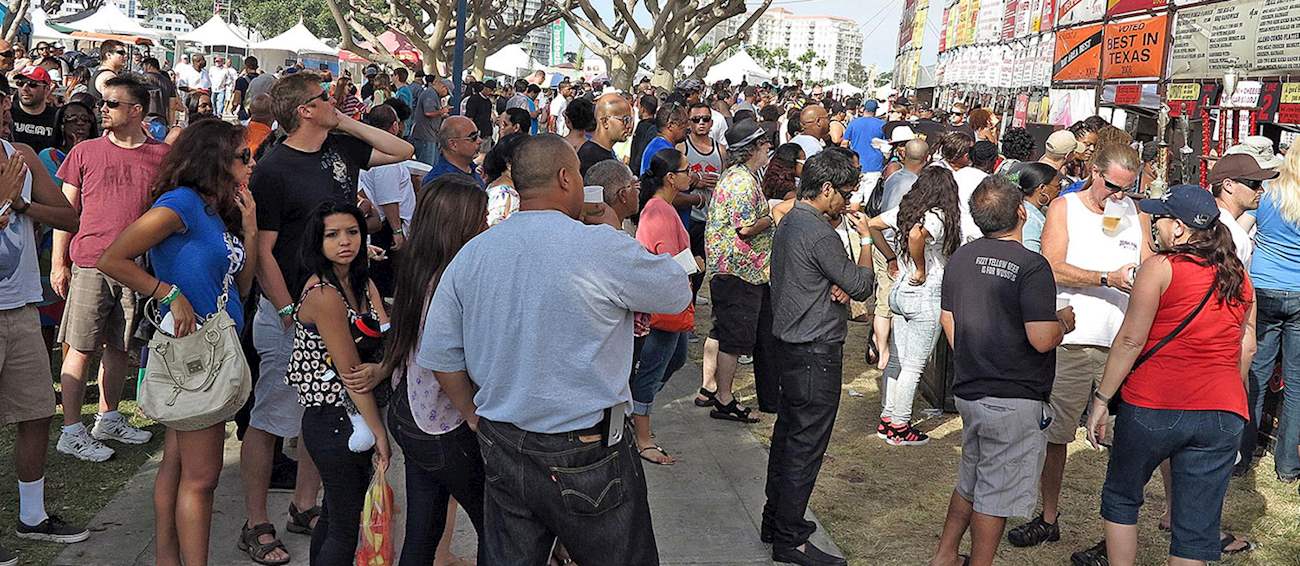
{"type": "Point", "coordinates": [215, 31]}
{"type": "Point", "coordinates": [109, 19]}
{"type": "Point", "coordinates": [510, 60]}
{"type": "Point", "coordinates": [738, 67]}
{"type": "Point", "coordinates": [297, 39]}
{"type": "Point", "coordinates": [42, 30]}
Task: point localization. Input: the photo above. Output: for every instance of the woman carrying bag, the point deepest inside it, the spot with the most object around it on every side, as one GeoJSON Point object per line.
{"type": "Point", "coordinates": [199, 235]}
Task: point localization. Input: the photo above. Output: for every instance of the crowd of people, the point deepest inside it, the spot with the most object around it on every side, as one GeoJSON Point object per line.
{"type": "Point", "coordinates": [396, 265]}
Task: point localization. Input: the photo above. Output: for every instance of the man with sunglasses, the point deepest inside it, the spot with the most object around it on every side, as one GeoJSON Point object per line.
{"type": "Point", "coordinates": [1237, 183]}
{"type": "Point", "coordinates": [613, 124]}
{"type": "Point", "coordinates": [33, 117]}
{"type": "Point", "coordinates": [7, 56]}
{"type": "Point", "coordinates": [112, 60]}
{"type": "Point", "coordinates": [1094, 270]}
{"type": "Point", "coordinates": [108, 179]}
{"type": "Point", "coordinates": [705, 167]}
{"type": "Point", "coordinates": [460, 145]}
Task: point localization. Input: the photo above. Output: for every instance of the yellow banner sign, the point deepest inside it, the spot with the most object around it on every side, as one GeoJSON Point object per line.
{"type": "Point", "coordinates": [1291, 93]}
{"type": "Point", "coordinates": [1189, 91]}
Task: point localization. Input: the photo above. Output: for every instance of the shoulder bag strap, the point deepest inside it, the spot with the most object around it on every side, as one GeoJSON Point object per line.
{"type": "Point", "coordinates": [1178, 329]}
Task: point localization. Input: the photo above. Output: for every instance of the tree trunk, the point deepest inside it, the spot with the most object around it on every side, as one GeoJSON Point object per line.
{"type": "Point", "coordinates": [662, 78]}
{"type": "Point", "coordinates": [621, 68]}
{"type": "Point", "coordinates": [17, 10]}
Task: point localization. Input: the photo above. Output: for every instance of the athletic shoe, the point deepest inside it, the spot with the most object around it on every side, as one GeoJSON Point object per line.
{"type": "Point", "coordinates": [882, 430]}
{"type": "Point", "coordinates": [745, 360]}
{"type": "Point", "coordinates": [53, 529]}
{"type": "Point", "coordinates": [701, 300]}
{"type": "Point", "coordinates": [117, 429]}
{"type": "Point", "coordinates": [7, 557]}
{"type": "Point", "coordinates": [1094, 556]}
{"type": "Point", "coordinates": [83, 447]}
{"type": "Point", "coordinates": [1034, 533]}
{"type": "Point", "coordinates": [692, 338]}
{"type": "Point", "coordinates": [905, 435]}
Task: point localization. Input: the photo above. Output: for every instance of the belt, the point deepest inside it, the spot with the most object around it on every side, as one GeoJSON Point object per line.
{"type": "Point", "coordinates": [814, 347]}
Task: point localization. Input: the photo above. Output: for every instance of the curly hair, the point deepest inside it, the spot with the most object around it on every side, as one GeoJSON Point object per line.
{"type": "Point", "coordinates": [778, 181]}
{"type": "Point", "coordinates": [1017, 144]}
{"type": "Point", "coordinates": [934, 188]}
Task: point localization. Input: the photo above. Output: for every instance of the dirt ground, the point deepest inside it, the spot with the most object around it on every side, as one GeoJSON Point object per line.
{"type": "Point", "coordinates": [885, 505]}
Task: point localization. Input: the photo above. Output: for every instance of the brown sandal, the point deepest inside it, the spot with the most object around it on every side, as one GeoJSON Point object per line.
{"type": "Point", "coordinates": [257, 551]}
{"type": "Point", "coordinates": [300, 521]}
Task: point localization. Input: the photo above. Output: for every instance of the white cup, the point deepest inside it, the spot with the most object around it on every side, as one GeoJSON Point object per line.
{"type": "Point", "coordinates": [1062, 302]}
{"type": "Point", "coordinates": [593, 194]}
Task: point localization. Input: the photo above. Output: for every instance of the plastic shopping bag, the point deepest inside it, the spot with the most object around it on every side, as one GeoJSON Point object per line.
{"type": "Point", "coordinates": [376, 548]}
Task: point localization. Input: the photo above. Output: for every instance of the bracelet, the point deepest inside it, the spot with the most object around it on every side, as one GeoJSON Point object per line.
{"type": "Point", "coordinates": [286, 310]}
{"type": "Point", "coordinates": [171, 295]}
{"type": "Point", "coordinates": [1097, 394]}
{"type": "Point", "coordinates": [155, 288]}
{"type": "Point", "coordinates": [398, 232]}
{"type": "Point", "coordinates": [868, 241]}
{"type": "Point", "coordinates": [891, 258]}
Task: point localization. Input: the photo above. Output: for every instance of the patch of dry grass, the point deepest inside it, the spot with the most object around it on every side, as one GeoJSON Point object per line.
{"type": "Point", "coordinates": [885, 505]}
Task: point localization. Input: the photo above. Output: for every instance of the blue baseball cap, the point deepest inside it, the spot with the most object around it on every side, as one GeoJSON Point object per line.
{"type": "Point", "coordinates": [1191, 204]}
{"type": "Point", "coordinates": [870, 105]}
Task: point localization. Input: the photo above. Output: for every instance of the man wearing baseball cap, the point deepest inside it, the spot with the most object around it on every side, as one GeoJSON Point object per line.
{"type": "Point", "coordinates": [34, 118]}
{"type": "Point", "coordinates": [1237, 183]}
{"type": "Point", "coordinates": [1060, 146]}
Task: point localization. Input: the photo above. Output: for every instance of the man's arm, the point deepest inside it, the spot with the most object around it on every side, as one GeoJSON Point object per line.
{"type": "Point", "coordinates": [945, 320]}
{"type": "Point", "coordinates": [1055, 242]}
{"type": "Point", "coordinates": [857, 280]}
{"type": "Point", "coordinates": [388, 148]}
{"type": "Point", "coordinates": [460, 390]}
{"type": "Point", "coordinates": [48, 205]}
{"type": "Point", "coordinates": [60, 262]}
{"type": "Point", "coordinates": [269, 275]}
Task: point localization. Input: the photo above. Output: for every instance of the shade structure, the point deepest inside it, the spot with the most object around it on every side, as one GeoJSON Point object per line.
{"type": "Point", "coordinates": [512, 60]}
{"type": "Point", "coordinates": [42, 30]}
{"type": "Point", "coordinates": [215, 32]}
{"type": "Point", "coordinates": [845, 89]}
{"type": "Point", "coordinates": [297, 39]}
{"type": "Point", "coordinates": [739, 67]}
{"type": "Point", "coordinates": [108, 19]}
{"type": "Point", "coordinates": [393, 42]}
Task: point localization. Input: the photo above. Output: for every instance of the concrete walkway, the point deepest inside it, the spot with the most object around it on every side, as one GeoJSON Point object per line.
{"type": "Point", "coordinates": [706, 508]}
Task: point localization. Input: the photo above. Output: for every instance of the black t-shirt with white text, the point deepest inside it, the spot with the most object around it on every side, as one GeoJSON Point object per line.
{"type": "Point", "coordinates": [992, 288]}
{"type": "Point", "coordinates": [36, 130]}
{"type": "Point", "coordinates": [289, 185]}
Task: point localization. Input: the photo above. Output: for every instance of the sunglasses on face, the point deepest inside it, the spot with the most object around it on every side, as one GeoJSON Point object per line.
{"type": "Point", "coordinates": [245, 156]}
{"type": "Point", "coordinates": [1114, 188]}
{"type": "Point", "coordinates": [113, 104]}
{"type": "Point", "coordinates": [119, 52]}
{"type": "Point", "coordinates": [23, 83]}
{"type": "Point", "coordinates": [323, 97]}
{"type": "Point", "coordinates": [1252, 183]}
{"type": "Point", "coordinates": [472, 137]}
{"type": "Point", "coordinates": [702, 119]}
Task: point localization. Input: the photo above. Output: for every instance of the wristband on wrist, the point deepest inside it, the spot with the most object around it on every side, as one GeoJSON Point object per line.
{"type": "Point", "coordinates": [286, 310]}
{"type": "Point", "coordinates": [1098, 396]}
{"type": "Point", "coordinates": [398, 231]}
{"type": "Point", "coordinates": [171, 295]}
{"type": "Point", "coordinates": [868, 241]}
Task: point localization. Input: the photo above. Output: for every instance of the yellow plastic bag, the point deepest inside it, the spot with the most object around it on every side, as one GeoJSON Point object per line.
{"type": "Point", "coordinates": [376, 548]}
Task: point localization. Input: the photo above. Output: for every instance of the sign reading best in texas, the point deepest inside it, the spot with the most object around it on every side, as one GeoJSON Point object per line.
{"type": "Point", "coordinates": [1134, 49]}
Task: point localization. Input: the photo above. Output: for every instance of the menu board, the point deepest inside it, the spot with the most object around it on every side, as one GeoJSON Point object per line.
{"type": "Point", "coordinates": [1277, 39]}
{"type": "Point", "coordinates": [989, 27]}
{"type": "Point", "coordinates": [1070, 12]}
{"type": "Point", "coordinates": [1256, 37]}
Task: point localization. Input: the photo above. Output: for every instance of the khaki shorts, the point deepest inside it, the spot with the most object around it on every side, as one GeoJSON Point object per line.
{"type": "Point", "coordinates": [99, 311]}
{"type": "Point", "coordinates": [1078, 370]}
{"type": "Point", "coordinates": [884, 284]}
{"type": "Point", "coordinates": [26, 385]}
{"type": "Point", "coordinates": [1002, 451]}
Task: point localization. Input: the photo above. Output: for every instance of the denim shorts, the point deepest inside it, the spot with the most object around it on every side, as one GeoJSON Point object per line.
{"type": "Point", "coordinates": [1201, 447]}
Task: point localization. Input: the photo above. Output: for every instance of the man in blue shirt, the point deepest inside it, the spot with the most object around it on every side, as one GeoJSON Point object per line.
{"type": "Point", "coordinates": [860, 135]}
{"type": "Point", "coordinates": [460, 140]}
{"type": "Point", "coordinates": [672, 122]}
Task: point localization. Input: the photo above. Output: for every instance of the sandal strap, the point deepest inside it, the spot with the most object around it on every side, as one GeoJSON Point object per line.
{"type": "Point", "coordinates": [304, 516]}
{"type": "Point", "coordinates": [256, 531]}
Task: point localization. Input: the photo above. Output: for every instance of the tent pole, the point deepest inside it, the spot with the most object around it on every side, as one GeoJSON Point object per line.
{"type": "Point", "coordinates": [458, 58]}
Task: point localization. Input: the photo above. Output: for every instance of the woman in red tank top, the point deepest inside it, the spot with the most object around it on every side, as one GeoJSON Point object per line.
{"type": "Point", "coordinates": [1185, 401]}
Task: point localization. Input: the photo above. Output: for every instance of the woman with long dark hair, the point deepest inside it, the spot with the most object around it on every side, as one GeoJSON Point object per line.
{"type": "Point", "coordinates": [200, 235]}
{"type": "Point", "coordinates": [1178, 367]}
{"type": "Point", "coordinates": [442, 453]}
{"type": "Point", "coordinates": [664, 351]}
{"type": "Point", "coordinates": [782, 178]}
{"type": "Point", "coordinates": [503, 199]}
{"type": "Point", "coordinates": [198, 107]}
{"type": "Point", "coordinates": [338, 323]}
{"type": "Point", "coordinates": [927, 229]}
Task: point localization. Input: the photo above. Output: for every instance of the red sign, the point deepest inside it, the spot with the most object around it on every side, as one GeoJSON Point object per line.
{"type": "Point", "coordinates": [1009, 18]}
{"type": "Point", "coordinates": [1269, 96]}
{"type": "Point", "coordinates": [1128, 94]}
{"type": "Point", "coordinates": [943, 34]}
{"type": "Point", "coordinates": [1288, 114]}
{"type": "Point", "coordinates": [1021, 114]}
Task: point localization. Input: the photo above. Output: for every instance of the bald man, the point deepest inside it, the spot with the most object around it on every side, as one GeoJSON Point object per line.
{"type": "Point", "coordinates": [613, 125]}
{"type": "Point", "coordinates": [815, 124]}
{"type": "Point", "coordinates": [459, 142]}
{"type": "Point", "coordinates": [551, 404]}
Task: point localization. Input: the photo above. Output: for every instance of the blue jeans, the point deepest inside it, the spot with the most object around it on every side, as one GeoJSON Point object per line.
{"type": "Point", "coordinates": [916, 331]}
{"type": "Point", "coordinates": [662, 355]}
{"type": "Point", "coordinates": [426, 151]}
{"type": "Point", "coordinates": [219, 103]}
{"type": "Point", "coordinates": [1277, 329]}
{"type": "Point", "coordinates": [1201, 447]}
{"type": "Point", "coordinates": [569, 486]}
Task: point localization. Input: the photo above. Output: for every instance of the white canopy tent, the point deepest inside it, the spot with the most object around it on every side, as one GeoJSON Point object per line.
{"type": "Point", "coordinates": [512, 60]}
{"type": "Point", "coordinates": [215, 32]}
{"type": "Point", "coordinates": [845, 89]}
{"type": "Point", "coordinates": [109, 19]}
{"type": "Point", "coordinates": [738, 67]}
{"type": "Point", "coordinates": [297, 39]}
{"type": "Point", "coordinates": [42, 30]}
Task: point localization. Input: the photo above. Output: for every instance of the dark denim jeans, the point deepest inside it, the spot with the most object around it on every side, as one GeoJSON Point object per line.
{"type": "Point", "coordinates": [1201, 447]}
{"type": "Point", "coordinates": [437, 467]}
{"type": "Point", "coordinates": [543, 486]}
{"type": "Point", "coordinates": [345, 475]}
{"type": "Point", "coordinates": [767, 363]}
{"type": "Point", "coordinates": [811, 377]}
{"type": "Point", "coordinates": [661, 356]}
{"type": "Point", "coordinates": [1277, 328]}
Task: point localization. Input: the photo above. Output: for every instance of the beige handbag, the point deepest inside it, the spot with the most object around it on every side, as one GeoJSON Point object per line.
{"type": "Point", "coordinates": [197, 381]}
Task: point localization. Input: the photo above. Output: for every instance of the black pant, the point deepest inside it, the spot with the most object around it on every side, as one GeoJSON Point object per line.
{"type": "Point", "coordinates": [543, 486]}
{"type": "Point", "coordinates": [696, 232]}
{"type": "Point", "coordinates": [437, 467]}
{"type": "Point", "coordinates": [345, 475]}
{"type": "Point", "coordinates": [811, 375]}
{"type": "Point", "coordinates": [767, 381]}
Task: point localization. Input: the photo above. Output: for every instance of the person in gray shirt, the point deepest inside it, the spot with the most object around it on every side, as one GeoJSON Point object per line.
{"type": "Point", "coordinates": [915, 155]}
{"type": "Point", "coordinates": [812, 282]}
{"type": "Point", "coordinates": [426, 119]}
{"type": "Point", "coordinates": [529, 333]}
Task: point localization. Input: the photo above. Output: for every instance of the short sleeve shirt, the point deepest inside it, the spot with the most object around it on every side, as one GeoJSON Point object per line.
{"type": "Point", "coordinates": [200, 257]}
{"type": "Point", "coordinates": [115, 184]}
{"type": "Point", "coordinates": [424, 128]}
{"type": "Point", "coordinates": [738, 202]}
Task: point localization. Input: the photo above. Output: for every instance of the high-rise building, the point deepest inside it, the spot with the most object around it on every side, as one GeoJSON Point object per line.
{"type": "Point", "coordinates": [538, 42]}
{"type": "Point", "coordinates": [835, 40]}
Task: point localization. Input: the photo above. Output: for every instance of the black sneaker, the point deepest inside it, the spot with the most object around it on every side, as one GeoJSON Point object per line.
{"type": "Point", "coordinates": [7, 557]}
{"type": "Point", "coordinates": [809, 556]}
{"type": "Point", "coordinates": [53, 529]}
{"type": "Point", "coordinates": [1034, 533]}
{"type": "Point", "coordinates": [1095, 556]}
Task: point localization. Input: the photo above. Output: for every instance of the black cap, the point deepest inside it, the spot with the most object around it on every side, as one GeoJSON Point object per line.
{"type": "Point", "coordinates": [743, 133]}
{"type": "Point", "coordinates": [1191, 204]}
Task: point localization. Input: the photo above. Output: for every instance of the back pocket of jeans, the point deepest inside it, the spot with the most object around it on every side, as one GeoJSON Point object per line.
{"type": "Point", "coordinates": [1155, 420]}
{"type": "Point", "coordinates": [592, 489]}
{"type": "Point", "coordinates": [1230, 423]}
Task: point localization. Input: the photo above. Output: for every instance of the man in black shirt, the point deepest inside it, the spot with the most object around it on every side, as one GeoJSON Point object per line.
{"type": "Point", "coordinates": [812, 282]}
{"type": "Point", "coordinates": [319, 161]}
{"type": "Point", "coordinates": [646, 107]}
{"type": "Point", "coordinates": [169, 105]}
{"type": "Point", "coordinates": [479, 109]}
{"type": "Point", "coordinates": [34, 119]}
{"type": "Point", "coordinates": [613, 122]}
{"type": "Point", "coordinates": [240, 96]}
{"type": "Point", "coordinates": [1000, 317]}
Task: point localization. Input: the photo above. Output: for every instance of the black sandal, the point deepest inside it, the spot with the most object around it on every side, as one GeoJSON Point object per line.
{"type": "Point", "coordinates": [709, 398]}
{"type": "Point", "coordinates": [1229, 539]}
{"type": "Point", "coordinates": [257, 551]}
{"type": "Point", "coordinates": [641, 452]}
{"type": "Point", "coordinates": [731, 412]}
{"type": "Point", "coordinates": [300, 521]}
{"type": "Point", "coordinates": [1095, 556]}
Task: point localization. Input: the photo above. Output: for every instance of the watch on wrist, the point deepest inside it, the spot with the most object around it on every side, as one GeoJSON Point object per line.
{"type": "Point", "coordinates": [1105, 280]}
{"type": "Point", "coordinates": [13, 205]}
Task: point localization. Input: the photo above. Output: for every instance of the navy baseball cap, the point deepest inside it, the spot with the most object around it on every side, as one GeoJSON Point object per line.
{"type": "Point", "coordinates": [1191, 204]}
{"type": "Point", "coordinates": [870, 105]}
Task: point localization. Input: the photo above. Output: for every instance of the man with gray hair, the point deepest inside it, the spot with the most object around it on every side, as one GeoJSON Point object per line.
{"type": "Point", "coordinates": [621, 188]}
{"type": "Point", "coordinates": [426, 119]}
{"type": "Point", "coordinates": [460, 143]}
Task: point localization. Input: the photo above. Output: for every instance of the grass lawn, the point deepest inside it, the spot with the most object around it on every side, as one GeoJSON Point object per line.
{"type": "Point", "coordinates": [885, 505]}
{"type": "Point", "coordinates": [74, 490]}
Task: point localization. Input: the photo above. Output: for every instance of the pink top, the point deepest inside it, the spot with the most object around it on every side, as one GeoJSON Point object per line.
{"type": "Point", "coordinates": [115, 183]}
{"type": "Point", "coordinates": [661, 230]}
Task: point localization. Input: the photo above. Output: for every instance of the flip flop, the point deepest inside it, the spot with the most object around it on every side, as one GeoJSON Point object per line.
{"type": "Point", "coordinates": [641, 453]}
{"type": "Point", "coordinates": [1228, 539]}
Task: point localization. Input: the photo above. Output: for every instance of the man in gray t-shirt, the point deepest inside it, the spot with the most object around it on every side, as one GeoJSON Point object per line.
{"type": "Point", "coordinates": [426, 119]}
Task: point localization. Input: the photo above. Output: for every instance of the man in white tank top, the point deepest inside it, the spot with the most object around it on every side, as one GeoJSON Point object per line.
{"type": "Point", "coordinates": [1094, 240]}
{"type": "Point", "coordinates": [705, 158]}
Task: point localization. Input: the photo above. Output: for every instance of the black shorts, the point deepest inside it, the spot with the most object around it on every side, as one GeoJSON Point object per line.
{"type": "Point", "coordinates": [736, 309]}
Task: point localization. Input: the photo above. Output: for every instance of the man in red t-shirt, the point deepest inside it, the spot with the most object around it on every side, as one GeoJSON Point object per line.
{"type": "Point", "coordinates": [108, 181]}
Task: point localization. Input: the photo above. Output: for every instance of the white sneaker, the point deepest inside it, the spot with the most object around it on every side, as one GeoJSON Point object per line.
{"type": "Point", "coordinates": [84, 447]}
{"type": "Point", "coordinates": [745, 360]}
{"type": "Point", "coordinates": [701, 300]}
{"type": "Point", "coordinates": [117, 429]}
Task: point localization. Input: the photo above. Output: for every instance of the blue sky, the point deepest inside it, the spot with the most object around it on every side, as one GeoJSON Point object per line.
{"type": "Point", "coordinates": [878, 18]}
